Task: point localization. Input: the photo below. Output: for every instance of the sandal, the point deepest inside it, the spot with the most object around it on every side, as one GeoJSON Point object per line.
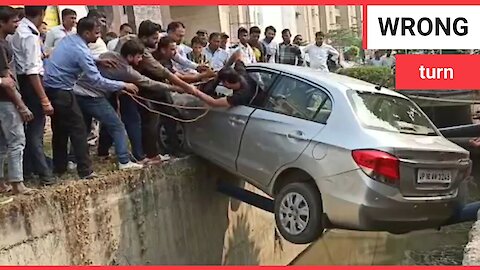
{"type": "Point", "coordinates": [158, 159]}
{"type": "Point", "coordinates": [5, 188]}
{"type": "Point", "coordinates": [26, 191]}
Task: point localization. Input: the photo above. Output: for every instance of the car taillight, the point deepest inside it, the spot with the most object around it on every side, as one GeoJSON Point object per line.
{"type": "Point", "coordinates": [379, 165]}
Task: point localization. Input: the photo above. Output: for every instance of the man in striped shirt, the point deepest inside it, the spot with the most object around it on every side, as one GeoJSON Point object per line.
{"type": "Point", "coordinates": [288, 53]}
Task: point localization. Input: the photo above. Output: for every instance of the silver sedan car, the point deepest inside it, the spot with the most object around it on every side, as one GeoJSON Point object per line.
{"type": "Point", "coordinates": [336, 152]}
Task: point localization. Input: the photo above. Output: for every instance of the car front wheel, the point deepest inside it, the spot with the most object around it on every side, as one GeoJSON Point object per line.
{"type": "Point", "coordinates": [298, 213]}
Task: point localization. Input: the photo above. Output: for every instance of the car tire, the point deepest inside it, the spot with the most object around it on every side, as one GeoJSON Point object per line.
{"type": "Point", "coordinates": [180, 137]}
{"type": "Point", "coordinates": [290, 220]}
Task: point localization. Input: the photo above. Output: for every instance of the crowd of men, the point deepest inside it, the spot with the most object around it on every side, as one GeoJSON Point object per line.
{"type": "Point", "coordinates": [76, 75]}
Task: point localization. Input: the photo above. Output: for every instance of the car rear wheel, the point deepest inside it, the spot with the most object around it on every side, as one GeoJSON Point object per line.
{"type": "Point", "coordinates": [298, 213]}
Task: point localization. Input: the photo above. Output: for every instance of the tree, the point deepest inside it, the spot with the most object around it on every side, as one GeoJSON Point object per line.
{"type": "Point", "coordinates": [345, 37]}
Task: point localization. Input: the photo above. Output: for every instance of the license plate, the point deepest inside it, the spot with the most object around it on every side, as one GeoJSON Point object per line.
{"type": "Point", "coordinates": [434, 176]}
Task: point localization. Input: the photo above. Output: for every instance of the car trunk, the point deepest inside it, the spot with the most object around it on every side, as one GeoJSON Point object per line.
{"type": "Point", "coordinates": [431, 171]}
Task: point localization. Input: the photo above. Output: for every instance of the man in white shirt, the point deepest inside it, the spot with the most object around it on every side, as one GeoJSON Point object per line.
{"type": "Point", "coordinates": [216, 56]}
{"type": "Point", "coordinates": [125, 29]}
{"type": "Point", "coordinates": [272, 46]}
{"type": "Point", "coordinates": [248, 56]}
{"type": "Point", "coordinates": [376, 60]}
{"type": "Point", "coordinates": [388, 60]}
{"type": "Point", "coordinates": [319, 52]}
{"type": "Point", "coordinates": [100, 46]}
{"type": "Point", "coordinates": [27, 51]}
{"type": "Point", "coordinates": [69, 20]}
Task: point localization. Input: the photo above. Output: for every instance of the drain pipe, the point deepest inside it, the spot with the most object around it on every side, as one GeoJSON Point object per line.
{"type": "Point", "coordinates": [246, 196]}
{"type": "Point", "coordinates": [471, 130]}
{"type": "Point", "coordinates": [468, 213]}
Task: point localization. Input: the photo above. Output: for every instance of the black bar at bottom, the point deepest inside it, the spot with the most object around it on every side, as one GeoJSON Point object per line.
{"type": "Point", "coordinates": [246, 196]}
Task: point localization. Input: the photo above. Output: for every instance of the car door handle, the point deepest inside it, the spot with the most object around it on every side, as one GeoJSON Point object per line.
{"type": "Point", "coordinates": [299, 135]}
{"type": "Point", "coordinates": [235, 120]}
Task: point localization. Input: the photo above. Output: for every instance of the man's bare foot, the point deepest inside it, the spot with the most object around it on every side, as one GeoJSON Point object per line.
{"type": "Point", "coordinates": [158, 159]}
{"type": "Point", "coordinates": [21, 189]}
{"type": "Point", "coordinates": [5, 188]}
{"type": "Point", "coordinates": [150, 161]}
{"type": "Point", "coordinates": [143, 161]}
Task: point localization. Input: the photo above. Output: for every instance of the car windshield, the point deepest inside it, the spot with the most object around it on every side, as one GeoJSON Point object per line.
{"type": "Point", "coordinates": [391, 113]}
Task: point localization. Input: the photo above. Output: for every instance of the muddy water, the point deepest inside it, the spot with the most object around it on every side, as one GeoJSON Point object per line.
{"type": "Point", "coordinates": [429, 247]}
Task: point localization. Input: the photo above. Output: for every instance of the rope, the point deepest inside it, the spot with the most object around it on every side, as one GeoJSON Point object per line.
{"type": "Point", "coordinates": [167, 104]}
{"type": "Point", "coordinates": [136, 99]}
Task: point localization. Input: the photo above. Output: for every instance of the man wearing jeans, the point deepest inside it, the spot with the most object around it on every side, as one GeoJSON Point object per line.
{"type": "Point", "coordinates": [13, 112]}
{"type": "Point", "coordinates": [27, 51]}
{"type": "Point", "coordinates": [94, 103]}
{"type": "Point", "coordinates": [69, 60]}
{"type": "Point", "coordinates": [148, 33]}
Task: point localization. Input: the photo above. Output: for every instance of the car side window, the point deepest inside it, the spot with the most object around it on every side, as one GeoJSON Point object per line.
{"type": "Point", "coordinates": [264, 80]}
{"type": "Point", "coordinates": [299, 99]}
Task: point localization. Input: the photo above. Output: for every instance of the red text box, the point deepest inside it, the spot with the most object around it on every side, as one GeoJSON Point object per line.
{"type": "Point", "coordinates": [437, 72]}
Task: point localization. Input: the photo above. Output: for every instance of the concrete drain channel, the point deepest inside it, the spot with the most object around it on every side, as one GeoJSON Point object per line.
{"type": "Point", "coordinates": [183, 214]}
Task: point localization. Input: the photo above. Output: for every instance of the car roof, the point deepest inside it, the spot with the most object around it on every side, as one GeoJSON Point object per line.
{"type": "Point", "coordinates": [327, 80]}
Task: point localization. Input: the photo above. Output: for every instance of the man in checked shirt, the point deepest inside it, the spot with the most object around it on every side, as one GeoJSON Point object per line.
{"type": "Point", "coordinates": [289, 53]}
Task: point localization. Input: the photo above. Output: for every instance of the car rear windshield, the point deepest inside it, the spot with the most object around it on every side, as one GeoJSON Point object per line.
{"type": "Point", "coordinates": [390, 113]}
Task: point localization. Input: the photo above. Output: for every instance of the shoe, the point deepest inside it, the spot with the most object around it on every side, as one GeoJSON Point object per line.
{"type": "Point", "coordinates": [29, 177]}
{"type": "Point", "coordinates": [71, 166]}
{"type": "Point", "coordinates": [130, 166]}
{"type": "Point", "coordinates": [48, 180]}
{"type": "Point", "coordinates": [90, 176]}
{"type": "Point", "coordinates": [161, 157]}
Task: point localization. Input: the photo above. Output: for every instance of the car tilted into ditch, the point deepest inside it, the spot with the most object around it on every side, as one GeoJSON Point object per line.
{"type": "Point", "coordinates": [336, 152]}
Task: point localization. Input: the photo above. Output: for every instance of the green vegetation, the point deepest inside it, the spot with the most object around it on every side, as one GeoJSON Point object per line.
{"type": "Point", "coordinates": [375, 75]}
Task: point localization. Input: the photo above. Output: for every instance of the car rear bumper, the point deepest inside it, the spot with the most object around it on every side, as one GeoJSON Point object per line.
{"type": "Point", "coordinates": [355, 201]}
{"type": "Point", "coordinates": [400, 217]}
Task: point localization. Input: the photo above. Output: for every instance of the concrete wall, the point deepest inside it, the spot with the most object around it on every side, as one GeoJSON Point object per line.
{"type": "Point", "coordinates": [157, 14]}
{"type": "Point", "coordinates": [196, 18]}
{"type": "Point", "coordinates": [472, 249]}
{"type": "Point", "coordinates": [168, 215]}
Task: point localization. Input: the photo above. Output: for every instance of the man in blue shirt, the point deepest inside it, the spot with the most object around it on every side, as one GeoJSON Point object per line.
{"type": "Point", "coordinates": [69, 60]}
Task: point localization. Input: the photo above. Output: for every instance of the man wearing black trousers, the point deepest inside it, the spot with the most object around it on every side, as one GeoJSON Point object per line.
{"type": "Point", "coordinates": [69, 60]}
{"type": "Point", "coordinates": [29, 68]}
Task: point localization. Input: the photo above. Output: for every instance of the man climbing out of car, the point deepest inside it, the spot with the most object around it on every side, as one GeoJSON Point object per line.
{"type": "Point", "coordinates": [245, 89]}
